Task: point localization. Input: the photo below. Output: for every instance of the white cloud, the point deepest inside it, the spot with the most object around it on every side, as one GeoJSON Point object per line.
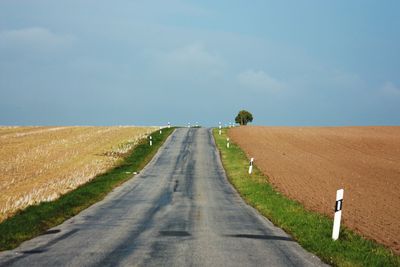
{"type": "Point", "coordinates": [259, 80]}
{"type": "Point", "coordinates": [34, 37]}
{"type": "Point", "coordinates": [190, 61]}
{"type": "Point", "coordinates": [346, 80]}
{"type": "Point", "coordinates": [390, 89]}
{"type": "Point", "coordinates": [194, 55]}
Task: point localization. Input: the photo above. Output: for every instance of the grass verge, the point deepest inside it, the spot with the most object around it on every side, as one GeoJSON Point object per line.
{"type": "Point", "coordinates": [311, 230]}
{"type": "Point", "coordinates": [36, 219]}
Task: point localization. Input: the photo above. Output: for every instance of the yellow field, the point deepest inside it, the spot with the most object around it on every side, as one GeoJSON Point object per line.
{"type": "Point", "coordinates": [41, 163]}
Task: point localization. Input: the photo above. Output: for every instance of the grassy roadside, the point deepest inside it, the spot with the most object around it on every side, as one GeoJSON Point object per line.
{"type": "Point", "coordinates": [311, 230]}
{"type": "Point", "coordinates": [36, 219]}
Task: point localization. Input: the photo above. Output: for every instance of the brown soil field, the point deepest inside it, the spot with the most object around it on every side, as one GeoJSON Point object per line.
{"type": "Point", "coordinates": [309, 164]}
{"type": "Point", "coordinates": [41, 163]}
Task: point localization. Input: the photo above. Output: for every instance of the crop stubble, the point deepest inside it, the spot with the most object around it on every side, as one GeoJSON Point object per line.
{"type": "Point", "coordinates": [41, 163]}
{"type": "Point", "coordinates": [309, 164]}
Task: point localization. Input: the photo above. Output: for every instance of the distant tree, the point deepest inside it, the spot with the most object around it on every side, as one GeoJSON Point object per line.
{"type": "Point", "coordinates": [243, 117]}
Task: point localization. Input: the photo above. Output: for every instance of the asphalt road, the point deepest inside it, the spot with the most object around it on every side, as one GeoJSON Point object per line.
{"type": "Point", "coordinates": [179, 211]}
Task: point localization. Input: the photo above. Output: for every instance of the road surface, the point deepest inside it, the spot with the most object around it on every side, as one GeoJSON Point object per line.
{"type": "Point", "coordinates": [179, 211]}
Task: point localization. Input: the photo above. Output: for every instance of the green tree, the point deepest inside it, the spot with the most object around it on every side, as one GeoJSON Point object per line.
{"type": "Point", "coordinates": [243, 117]}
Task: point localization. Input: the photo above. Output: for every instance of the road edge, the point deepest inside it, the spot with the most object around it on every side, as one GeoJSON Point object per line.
{"type": "Point", "coordinates": [351, 250]}
{"type": "Point", "coordinates": [37, 219]}
{"type": "Point", "coordinates": [257, 214]}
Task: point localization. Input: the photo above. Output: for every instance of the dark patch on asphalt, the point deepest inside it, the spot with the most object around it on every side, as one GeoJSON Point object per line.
{"type": "Point", "coordinates": [34, 251]}
{"type": "Point", "coordinates": [49, 232]}
{"type": "Point", "coordinates": [264, 237]}
{"type": "Point", "coordinates": [174, 233]}
{"type": "Point", "coordinates": [64, 236]}
{"type": "Point", "coordinates": [148, 176]}
{"type": "Point", "coordinates": [176, 185]}
{"type": "Point", "coordinates": [129, 243]}
{"type": "Point", "coordinates": [40, 249]}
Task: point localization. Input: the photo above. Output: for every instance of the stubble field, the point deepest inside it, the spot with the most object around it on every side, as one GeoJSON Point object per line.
{"type": "Point", "coordinates": [309, 164]}
{"type": "Point", "coordinates": [41, 163]}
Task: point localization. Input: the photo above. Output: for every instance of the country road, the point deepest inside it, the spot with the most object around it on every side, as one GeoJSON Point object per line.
{"type": "Point", "coordinates": [179, 211]}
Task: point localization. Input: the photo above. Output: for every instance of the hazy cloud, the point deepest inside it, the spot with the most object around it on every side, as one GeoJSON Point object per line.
{"type": "Point", "coordinates": [194, 55]}
{"type": "Point", "coordinates": [34, 37]}
{"type": "Point", "coordinates": [259, 80]}
{"type": "Point", "coordinates": [347, 80]}
{"type": "Point", "coordinates": [391, 89]}
{"type": "Point", "coordinates": [193, 59]}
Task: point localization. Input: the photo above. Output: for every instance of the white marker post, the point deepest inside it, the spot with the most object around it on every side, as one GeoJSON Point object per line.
{"type": "Point", "coordinates": [220, 131]}
{"type": "Point", "coordinates": [169, 125]}
{"type": "Point", "coordinates": [338, 214]}
{"type": "Point", "coordinates": [227, 142]}
{"type": "Point", "coordinates": [160, 130]}
{"type": "Point", "coordinates": [151, 140]}
{"type": "Point", "coordinates": [251, 165]}
{"type": "Point", "coordinates": [197, 124]}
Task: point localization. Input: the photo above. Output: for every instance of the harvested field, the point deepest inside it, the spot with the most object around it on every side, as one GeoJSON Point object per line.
{"type": "Point", "coordinates": [41, 163]}
{"type": "Point", "coordinates": [309, 164]}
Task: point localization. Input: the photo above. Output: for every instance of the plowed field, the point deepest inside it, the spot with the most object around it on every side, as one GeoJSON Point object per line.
{"type": "Point", "coordinates": [309, 164]}
{"type": "Point", "coordinates": [41, 163]}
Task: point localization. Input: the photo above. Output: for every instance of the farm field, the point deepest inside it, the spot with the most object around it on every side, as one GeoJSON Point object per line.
{"type": "Point", "coordinates": [41, 163]}
{"type": "Point", "coordinates": [309, 164]}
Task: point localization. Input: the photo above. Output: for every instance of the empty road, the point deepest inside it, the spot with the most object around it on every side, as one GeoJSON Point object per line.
{"type": "Point", "coordinates": [179, 211]}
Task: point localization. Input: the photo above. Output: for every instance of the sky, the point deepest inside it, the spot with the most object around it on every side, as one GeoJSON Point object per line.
{"type": "Point", "coordinates": [290, 63]}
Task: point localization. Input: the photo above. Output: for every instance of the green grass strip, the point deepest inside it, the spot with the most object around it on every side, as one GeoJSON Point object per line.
{"type": "Point", "coordinates": [35, 220]}
{"type": "Point", "coordinates": [311, 230]}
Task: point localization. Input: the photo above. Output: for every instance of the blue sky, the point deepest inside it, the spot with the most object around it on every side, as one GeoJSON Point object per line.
{"type": "Point", "coordinates": [87, 62]}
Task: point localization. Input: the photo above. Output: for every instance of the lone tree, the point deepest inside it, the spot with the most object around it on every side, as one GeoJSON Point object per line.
{"type": "Point", "coordinates": [243, 117]}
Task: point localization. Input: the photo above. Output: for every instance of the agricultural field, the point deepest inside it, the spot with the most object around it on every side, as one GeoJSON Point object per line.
{"type": "Point", "coordinates": [41, 163]}
{"type": "Point", "coordinates": [309, 164]}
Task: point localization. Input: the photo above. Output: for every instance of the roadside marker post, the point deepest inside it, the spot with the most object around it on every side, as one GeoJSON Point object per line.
{"type": "Point", "coordinates": [160, 130]}
{"type": "Point", "coordinates": [151, 140]}
{"type": "Point", "coordinates": [338, 214]}
{"type": "Point", "coordinates": [169, 125]}
{"type": "Point", "coordinates": [227, 142]}
{"type": "Point", "coordinates": [251, 165]}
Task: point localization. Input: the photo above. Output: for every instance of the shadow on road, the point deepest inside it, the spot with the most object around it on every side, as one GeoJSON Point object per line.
{"type": "Point", "coordinates": [266, 237]}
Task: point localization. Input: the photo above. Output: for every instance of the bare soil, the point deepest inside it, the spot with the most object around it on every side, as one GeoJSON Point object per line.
{"type": "Point", "coordinates": [309, 164]}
